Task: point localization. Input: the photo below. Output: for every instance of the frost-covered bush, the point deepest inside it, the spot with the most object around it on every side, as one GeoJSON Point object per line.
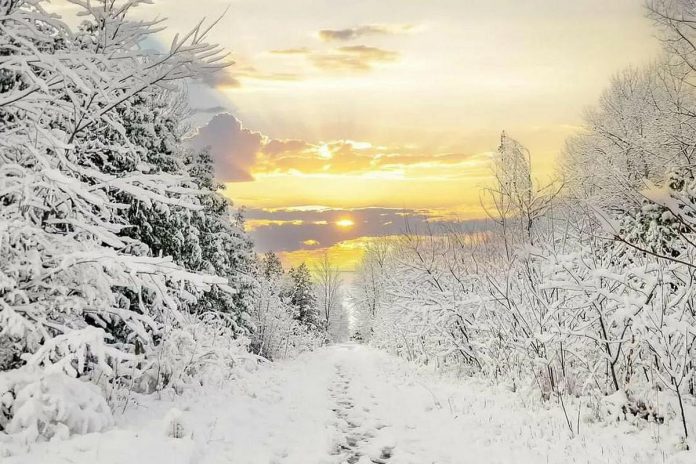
{"type": "Point", "coordinates": [284, 314]}
{"type": "Point", "coordinates": [577, 305]}
{"type": "Point", "coordinates": [35, 404]}
{"type": "Point", "coordinates": [276, 333]}
{"type": "Point", "coordinates": [198, 351]}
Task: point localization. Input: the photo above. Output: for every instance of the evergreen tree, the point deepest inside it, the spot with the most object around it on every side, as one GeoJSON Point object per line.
{"type": "Point", "coordinates": [302, 296]}
{"type": "Point", "coordinates": [79, 298]}
{"type": "Point", "coordinates": [271, 267]}
{"type": "Point", "coordinates": [226, 249]}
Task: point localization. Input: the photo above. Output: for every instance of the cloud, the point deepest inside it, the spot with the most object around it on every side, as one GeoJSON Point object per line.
{"type": "Point", "coordinates": [221, 79]}
{"type": "Point", "coordinates": [292, 51]}
{"type": "Point", "coordinates": [250, 72]}
{"type": "Point", "coordinates": [331, 35]}
{"type": "Point", "coordinates": [231, 78]}
{"type": "Point", "coordinates": [209, 110]}
{"type": "Point", "coordinates": [291, 230]}
{"type": "Point", "coordinates": [279, 147]}
{"type": "Point", "coordinates": [232, 147]}
{"type": "Point", "coordinates": [240, 154]}
{"type": "Point", "coordinates": [352, 58]}
{"type": "Point", "coordinates": [361, 158]}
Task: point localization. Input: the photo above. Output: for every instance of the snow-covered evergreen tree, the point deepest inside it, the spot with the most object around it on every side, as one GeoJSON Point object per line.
{"type": "Point", "coordinates": [80, 298]}
{"type": "Point", "coordinates": [277, 330]}
{"type": "Point", "coordinates": [302, 296]}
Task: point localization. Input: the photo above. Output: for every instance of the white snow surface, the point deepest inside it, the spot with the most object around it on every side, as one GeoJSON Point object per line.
{"type": "Point", "coordinates": [352, 404]}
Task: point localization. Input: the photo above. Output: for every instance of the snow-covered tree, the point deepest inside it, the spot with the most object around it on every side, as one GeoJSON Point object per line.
{"type": "Point", "coordinates": [277, 330]}
{"type": "Point", "coordinates": [514, 201]}
{"type": "Point", "coordinates": [80, 299]}
{"type": "Point", "coordinates": [367, 293]}
{"type": "Point", "coordinates": [270, 265]}
{"type": "Point", "coordinates": [328, 284]}
{"type": "Point", "coordinates": [302, 296]}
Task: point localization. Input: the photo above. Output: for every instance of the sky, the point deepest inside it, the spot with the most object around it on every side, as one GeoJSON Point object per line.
{"type": "Point", "coordinates": [344, 120]}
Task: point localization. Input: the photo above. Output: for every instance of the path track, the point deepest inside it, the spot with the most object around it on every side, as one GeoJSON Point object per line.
{"type": "Point", "coordinates": [349, 404]}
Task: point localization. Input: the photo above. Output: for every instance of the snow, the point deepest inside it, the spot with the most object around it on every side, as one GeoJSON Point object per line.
{"type": "Point", "coordinates": [350, 403]}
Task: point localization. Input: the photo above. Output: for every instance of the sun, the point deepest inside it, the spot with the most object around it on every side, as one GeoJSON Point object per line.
{"type": "Point", "coordinates": [325, 152]}
{"type": "Point", "coordinates": [345, 223]}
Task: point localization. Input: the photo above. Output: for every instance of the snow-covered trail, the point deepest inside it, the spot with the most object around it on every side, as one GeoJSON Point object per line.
{"type": "Point", "coordinates": [349, 403]}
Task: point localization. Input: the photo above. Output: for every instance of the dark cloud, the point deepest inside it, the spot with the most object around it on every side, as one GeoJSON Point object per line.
{"type": "Point", "coordinates": [232, 147]}
{"type": "Point", "coordinates": [291, 230]}
{"type": "Point", "coordinates": [329, 35]}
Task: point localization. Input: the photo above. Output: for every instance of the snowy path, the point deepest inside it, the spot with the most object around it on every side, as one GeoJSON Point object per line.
{"type": "Point", "coordinates": [351, 404]}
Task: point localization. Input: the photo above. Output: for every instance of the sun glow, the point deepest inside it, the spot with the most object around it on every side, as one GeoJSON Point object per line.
{"type": "Point", "coordinates": [345, 223]}
{"type": "Point", "coordinates": [325, 152]}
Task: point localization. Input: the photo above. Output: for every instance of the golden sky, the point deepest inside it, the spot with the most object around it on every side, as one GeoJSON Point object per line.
{"type": "Point", "coordinates": [345, 108]}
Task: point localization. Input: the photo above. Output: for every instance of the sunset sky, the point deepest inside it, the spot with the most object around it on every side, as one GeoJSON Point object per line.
{"type": "Point", "coordinates": [340, 118]}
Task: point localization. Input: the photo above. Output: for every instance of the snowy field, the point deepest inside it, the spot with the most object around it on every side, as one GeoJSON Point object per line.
{"type": "Point", "coordinates": [349, 403]}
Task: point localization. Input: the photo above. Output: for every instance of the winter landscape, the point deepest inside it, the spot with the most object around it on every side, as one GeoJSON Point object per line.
{"type": "Point", "coordinates": [261, 232]}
